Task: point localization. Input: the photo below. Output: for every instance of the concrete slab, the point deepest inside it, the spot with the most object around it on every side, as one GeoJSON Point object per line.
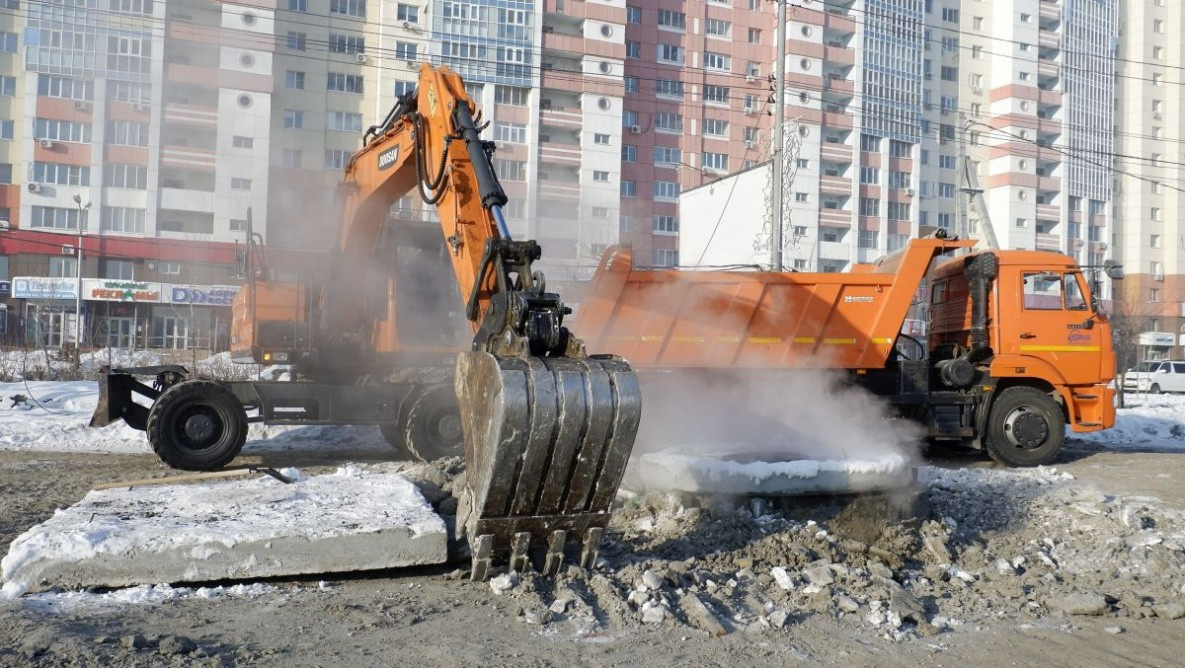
{"type": "Point", "coordinates": [348, 521]}
{"type": "Point", "coordinates": [765, 474]}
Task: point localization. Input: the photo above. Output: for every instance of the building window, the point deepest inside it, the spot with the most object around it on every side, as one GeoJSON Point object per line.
{"type": "Point", "coordinates": [754, 36]}
{"type": "Point", "coordinates": [63, 175]}
{"type": "Point", "coordinates": [950, 15]}
{"type": "Point", "coordinates": [122, 219]}
{"type": "Point", "coordinates": [666, 191]}
{"type": "Point", "coordinates": [600, 212]}
{"type": "Point", "coordinates": [48, 217]}
{"type": "Point", "coordinates": [298, 5]}
{"type": "Point", "coordinates": [665, 156]}
{"type": "Point", "coordinates": [119, 175]}
{"type": "Point", "coordinates": [336, 158]}
{"type": "Point", "coordinates": [666, 225]}
{"type": "Point", "coordinates": [63, 267]}
{"type": "Point", "coordinates": [715, 161]}
{"type": "Point", "coordinates": [946, 161]}
{"type": "Point", "coordinates": [1154, 213]}
{"type": "Point", "coordinates": [1022, 222]}
{"type": "Point", "coordinates": [717, 61]}
{"type": "Point", "coordinates": [898, 211]}
{"type": "Point", "coordinates": [869, 239]}
{"type": "Point", "coordinates": [668, 122]}
{"type": "Point", "coordinates": [168, 268]}
{"type": "Point", "coordinates": [714, 127]}
{"type": "Point", "coordinates": [631, 84]}
{"type": "Point", "coordinates": [343, 121]}
{"type": "Point", "coordinates": [344, 83]}
{"type": "Point", "coordinates": [600, 138]}
{"type": "Point", "coordinates": [353, 44]}
{"type": "Point", "coordinates": [510, 133]}
{"type": "Point", "coordinates": [717, 28]}
{"type": "Point", "coordinates": [629, 153]}
{"type": "Point", "coordinates": [672, 19]}
{"type": "Point", "coordinates": [802, 197]}
{"type": "Point", "coordinates": [716, 94]}
{"type": "Point", "coordinates": [511, 96]}
{"type": "Point", "coordinates": [239, 141]}
{"type": "Point", "coordinates": [870, 144]}
{"type": "Point", "coordinates": [629, 118]}
{"type": "Point", "coordinates": [294, 80]}
{"type": "Point", "coordinates": [600, 176]}
{"type": "Point", "coordinates": [803, 163]}
{"type": "Point", "coordinates": [665, 257]}
{"type": "Point", "coordinates": [510, 170]}
{"type": "Point", "coordinates": [670, 53]}
{"type": "Point", "coordinates": [409, 13]}
{"type": "Point", "coordinates": [633, 15]}
{"type": "Point", "coordinates": [869, 206]}
{"type": "Point", "coordinates": [297, 40]}
{"type": "Point", "coordinates": [629, 188]}
{"type": "Point", "coordinates": [237, 183]}
{"type": "Point", "coordinates": [348, 7]}
{"type": "Point", "coordinates": [292, 157]}
{"type": "Point", "coordinates": [668, 88]}
{"type": "Point", "coordinates": [1154, 241]}
{"type": "Point", "coordinates": [293, 118]}
{"type": "Point", "coordinates": [946, 190]}
{"type": "Point", "coordinates": [122, 270]}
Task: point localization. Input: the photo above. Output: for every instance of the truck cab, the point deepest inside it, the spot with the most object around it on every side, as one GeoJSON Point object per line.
{"type": "Point", "coordinates": [1021, 330]}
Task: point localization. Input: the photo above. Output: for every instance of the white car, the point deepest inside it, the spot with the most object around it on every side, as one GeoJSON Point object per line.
{"type": "Point", "coordinates": [1156, 377]}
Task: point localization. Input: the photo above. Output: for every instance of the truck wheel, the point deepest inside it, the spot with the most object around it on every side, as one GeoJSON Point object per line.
{"type": "Point", "coordinates": [197, 425]}
{"type": "Point", "coordinates": [393, 434]}
{"type": "Point", "coordinates": [1155, 389]}
{"type": "Point", "coordinates": [433, 428]}
{"type": "Point", "coordinates": [1025, 428]}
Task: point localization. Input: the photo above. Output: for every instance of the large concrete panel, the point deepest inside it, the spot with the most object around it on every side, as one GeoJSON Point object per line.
{"type": "Point", "coordinates": [348, 521]}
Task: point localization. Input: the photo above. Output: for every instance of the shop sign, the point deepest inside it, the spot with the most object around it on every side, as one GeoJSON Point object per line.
{"type": "Point", "coordinates": [121, 291]}
{"type": "Point", "coordinates": [1157, 339]}
{"type": "Point", "coordinates": [5, 287]}
{"type": "Point", "coordinates": [210, 295]}
{"type": "Point", "coordinates": [36, 287]}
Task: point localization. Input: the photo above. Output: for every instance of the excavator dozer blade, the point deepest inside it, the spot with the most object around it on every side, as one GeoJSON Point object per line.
{"type": "Point", "coordinates": [546, 443]}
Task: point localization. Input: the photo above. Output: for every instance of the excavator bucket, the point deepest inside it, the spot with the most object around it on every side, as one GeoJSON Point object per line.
{"type": "Point", "coordinates": [547, 440]}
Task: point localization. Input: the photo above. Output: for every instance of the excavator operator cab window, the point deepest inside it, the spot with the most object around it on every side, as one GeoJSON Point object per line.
{"type": "Point", "coordinates": [1053, 291]}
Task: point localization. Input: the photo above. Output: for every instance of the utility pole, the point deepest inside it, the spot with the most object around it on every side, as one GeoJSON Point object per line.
{"type": "Point", "coordinates": [962, 225]}
{"type": "Point", "coordinates": [82, 208]}
{"type": "Point", "coordinates": [779, 153]}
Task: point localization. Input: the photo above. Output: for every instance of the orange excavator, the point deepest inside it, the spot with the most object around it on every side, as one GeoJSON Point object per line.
{"type": "Point", "coordinates": [547, 428]}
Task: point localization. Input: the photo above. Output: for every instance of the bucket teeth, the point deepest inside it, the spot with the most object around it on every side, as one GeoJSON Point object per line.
{"type": "Point", "coordinates": [546, 443]}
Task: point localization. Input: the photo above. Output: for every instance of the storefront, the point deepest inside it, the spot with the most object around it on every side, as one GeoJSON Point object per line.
{"type": "Point", "coordinates": [125, 314]}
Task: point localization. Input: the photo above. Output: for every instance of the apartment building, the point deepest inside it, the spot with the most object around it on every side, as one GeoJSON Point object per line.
{"type": "Point", "coordinates": [897, 111]}
{"type": "Point", "coordinates": [1149, 172]}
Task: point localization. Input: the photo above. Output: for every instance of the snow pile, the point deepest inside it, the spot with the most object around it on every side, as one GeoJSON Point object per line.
{"type": "Point", "coordinates": [1150, 422]}
{"type": "Point", "coordinates": [148, 525]}
{"type": "Point", "coordinates": [70, 601]}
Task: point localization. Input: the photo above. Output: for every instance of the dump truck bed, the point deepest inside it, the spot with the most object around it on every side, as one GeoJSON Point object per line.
{"type": "Point", "coordinates": [754, 319]}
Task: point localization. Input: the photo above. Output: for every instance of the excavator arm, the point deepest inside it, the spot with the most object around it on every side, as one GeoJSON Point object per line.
{"type": "Point", "coordinates": [548, 429]}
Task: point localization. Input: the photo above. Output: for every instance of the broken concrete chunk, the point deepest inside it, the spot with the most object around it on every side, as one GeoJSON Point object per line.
{"type": "Point", "coordinates": [699, 615]}
{"type": "Point", "coordinates": [1169, 610]}
{"type": "Point", "coordinates": [1079, 604]}
{"type": "Point", "coordinates": [782, 578]}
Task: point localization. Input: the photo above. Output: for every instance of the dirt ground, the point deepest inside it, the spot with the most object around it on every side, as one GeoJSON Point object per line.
{"type": "Point", "coordinates": [1054, 570]}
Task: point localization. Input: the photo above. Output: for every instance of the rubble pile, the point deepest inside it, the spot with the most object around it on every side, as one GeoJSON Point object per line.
{"type": "Point", "coordinates": [974, 545]}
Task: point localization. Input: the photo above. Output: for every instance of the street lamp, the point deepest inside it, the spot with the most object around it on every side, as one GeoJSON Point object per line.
{"type": "Point", "coordinates": [78, 294]}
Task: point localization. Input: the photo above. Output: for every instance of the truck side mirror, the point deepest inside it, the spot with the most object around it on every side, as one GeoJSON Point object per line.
{"type": "Point", "coordinates": [1113, 269]}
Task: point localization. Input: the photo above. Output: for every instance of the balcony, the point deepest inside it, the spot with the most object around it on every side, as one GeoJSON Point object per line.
{"type": "Point", "coordinates": [839, 86]}
{"type": "Point", "coordinates": [835, 250]}
{"type": "Point", "coordinates": [834, 119]}
{"type": "Point", "coordinates": [561, 117]}
{"type": "Point", "coordinates": [839, 21]}
{"type": "Point", "coordinates": [187, 156]}
{"type": "Point", "coordinates": [839, 55]}
{"type": "Point", "coordinates": [835, 185]}
{"type": "Point", "coordinates": [188, 114]}
{"type": "Point", "coordinates": [839, 153]}
{"type": "Point", "coordinates": [559, 190]}
{"type": "Point", "coordinates": [1050, 10]}
{"type": "Point", "coordinates": [552, 154]}
{"type": "Point", "coordinates": [1049, 40]}
{"type": "Point", "coordinates": [1048, 68]}
{"type": "Point", "coordinates": [835, 217]}
{"type": "Point", "coordinates": [1049, 183]}
{"type": "Point", "coordinates": [1049, 97]}
{"type": "Point", "coordinates": [186, 200]}
{"type": "Point", "coordinates": [1048, 242]}
{"type": "Point", "coordinates": [1049, 212]}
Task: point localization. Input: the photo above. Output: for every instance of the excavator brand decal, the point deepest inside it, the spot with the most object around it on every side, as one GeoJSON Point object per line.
{"type": "Point", "coordinates": [432, 100]}
{"type": "Point", "coordinates": [388, 157]}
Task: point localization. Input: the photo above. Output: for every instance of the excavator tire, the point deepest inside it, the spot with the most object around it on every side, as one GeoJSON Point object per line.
{"type": "Point", "coordinates": [546, 443]}
{"type": "Point", "coordinates": [433, 426]}
{"type": "Point", "coordinates": [197, 425]}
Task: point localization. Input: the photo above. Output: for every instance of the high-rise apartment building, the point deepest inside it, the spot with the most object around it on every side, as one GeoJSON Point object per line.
{"type": "Point", "coordinates": [1150, 172]}
{"type": "Point", "coordinates": [895, 110]}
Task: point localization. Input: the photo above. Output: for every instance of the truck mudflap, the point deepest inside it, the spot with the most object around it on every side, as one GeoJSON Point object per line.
{"type": "Point", "coordinates": [546, 442]}
{"type": "Point", "coordinates": [1091, 408]}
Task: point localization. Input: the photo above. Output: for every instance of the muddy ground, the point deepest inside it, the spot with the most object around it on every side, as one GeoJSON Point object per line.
{"type": "Point", "coordinates": [1081, 565]}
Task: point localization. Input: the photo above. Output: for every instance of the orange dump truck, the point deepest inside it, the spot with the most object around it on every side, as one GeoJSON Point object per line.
{"type": "Point", "coordinates": [1016, 345]}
